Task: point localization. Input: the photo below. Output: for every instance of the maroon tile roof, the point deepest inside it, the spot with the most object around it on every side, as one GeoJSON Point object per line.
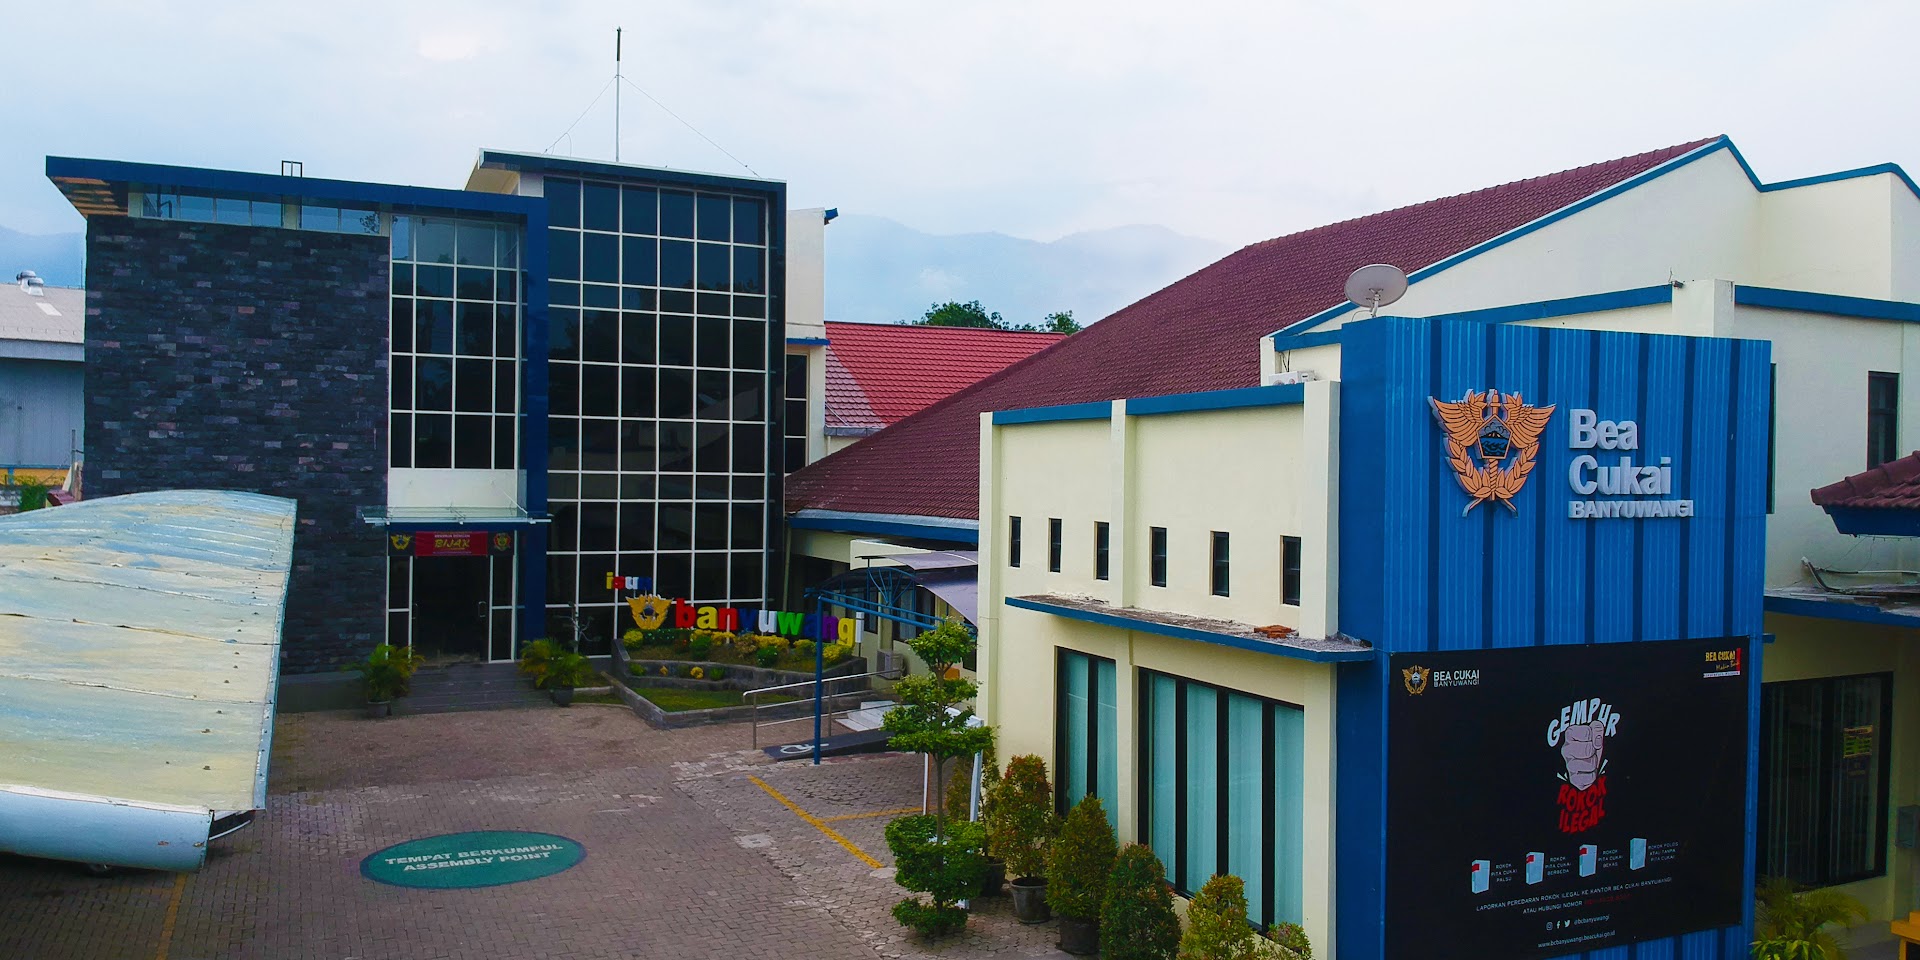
{"type": "Point", "coordinates": [1894, 485]}
{"type": "Point", "coordinates": [897, 370]}
{"type": "Point", "coordinates": [1200, 333]}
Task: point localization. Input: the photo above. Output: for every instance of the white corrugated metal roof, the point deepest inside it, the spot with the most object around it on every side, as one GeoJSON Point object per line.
{"type": "Point", "coordinates": [139, 647]}
{"type": "Point", "coordinates": [57, 315]}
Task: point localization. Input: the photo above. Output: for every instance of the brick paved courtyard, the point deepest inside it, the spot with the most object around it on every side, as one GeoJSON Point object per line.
{"type": "Point", "coordinates": [690, 853]}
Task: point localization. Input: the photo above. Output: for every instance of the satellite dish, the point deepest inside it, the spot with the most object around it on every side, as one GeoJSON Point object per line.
{"type": "Point", "coordinates": [1376, 285]}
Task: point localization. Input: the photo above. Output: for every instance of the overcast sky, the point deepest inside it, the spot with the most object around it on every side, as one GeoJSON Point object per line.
{"type": "Point", "coordinates": [1235, 122]}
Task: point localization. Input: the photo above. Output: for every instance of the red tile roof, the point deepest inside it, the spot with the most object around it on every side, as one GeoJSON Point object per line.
{"type": "Point", "coordinates": [1200, 333]}
{"type": "Point", "coordinates": [897, 370]}
{"type": "Point", "coordinates": [1894, 485]}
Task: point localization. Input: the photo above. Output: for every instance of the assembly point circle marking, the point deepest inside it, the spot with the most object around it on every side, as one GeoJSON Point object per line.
{"type": "Point", "coordinates": [482, 858]}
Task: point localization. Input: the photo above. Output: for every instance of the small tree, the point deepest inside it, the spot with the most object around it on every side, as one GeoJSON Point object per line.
{"type": "Point", "coordinates": [1136, 919]}
{"type": "Point", "coordinates": [1020, 821]}
{"type": "Point", "coordinates": [1790, 923]}
{"type": "Point", "coordinates": [934, 717]}
{"type": "Point", "coordinates": [1079, 861]}
{"type": "Point", "coordinates": [1061, 322]}
{"type": "Point", "coordinates": [960, 789]}
{"type": "Point", "coordinates": [1217, 922]}
{"type": "Point", "coordinates": [953, 313]}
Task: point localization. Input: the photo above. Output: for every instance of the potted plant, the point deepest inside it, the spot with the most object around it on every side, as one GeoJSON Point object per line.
{"type": "Point", "coordinates": [566, 671]}
{"type": "Point", "coordinates": [1291, 943]}
{"type": "Point", "coordinates": [535, 657]}
{"type": "Point", "coordinates": [1217, 922]}
{"type": "Point", "coordinates": [386, 673]}
{"type": "Point", "coordinates": [1078, 863]}
{"type": "Point", "coordinates": [1136, 918]}
{"type": "Point", "coordinates": [1020, 826]}
{"type": "Point", "coordinates": [931, 855]}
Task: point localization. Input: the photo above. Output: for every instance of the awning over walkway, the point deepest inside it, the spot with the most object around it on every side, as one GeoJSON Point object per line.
{"type": "Point", "coordinates": [139, 651]}
{"type": "Point", "coordinates": [960, 588]}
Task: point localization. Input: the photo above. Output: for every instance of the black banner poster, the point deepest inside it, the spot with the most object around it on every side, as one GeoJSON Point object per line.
{"type": "Point", "coordinates": [1543, 801]}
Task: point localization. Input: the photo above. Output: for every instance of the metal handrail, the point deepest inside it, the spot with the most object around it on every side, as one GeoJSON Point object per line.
{"type": "Point", "coordinates": [758, 706]}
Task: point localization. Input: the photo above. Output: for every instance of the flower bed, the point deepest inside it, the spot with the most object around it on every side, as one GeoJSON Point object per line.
{"type": "Point", "coordinates": [736, 649]}
{"type": "Point", "coordinates": [639, 676]}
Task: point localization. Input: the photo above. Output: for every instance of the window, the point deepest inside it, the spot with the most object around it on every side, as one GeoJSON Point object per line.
{"type": "Point", "coordinates": [1053, 544]}
{"type": "Point", "coordinates": [1773, 419]}
{"type": "Point", "coordinates": [1219, 564]}
{"type": "Point", "coordinates": [1883, 418]}
{"type": "Point", "coordinates": [796, 411]}
{"type": "Point", "coordinates": [1013, 541]}
{"type": "Point", "coordinates": [1159, 564]}
{"type": "Point", "coordinates": [455, 342]}
{"type": "Point", "coordinates": [1085, 730]}
{"type": "Point", "coordinates": [1824, 761]}
{"type": "Point", "coordinates": [1100, 550]}
{"type": "Point", "coordinates": [1222, 776]}
{"type": "Point", "coordinates": [1290, 571]}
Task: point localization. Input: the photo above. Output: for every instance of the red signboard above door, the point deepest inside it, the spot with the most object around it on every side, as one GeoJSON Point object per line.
{"type": "Point", "coordinates": [450, 543]}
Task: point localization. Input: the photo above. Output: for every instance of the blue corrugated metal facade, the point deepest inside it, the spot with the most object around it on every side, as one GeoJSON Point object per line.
{"type": "Point", "coordinates": [1417, 575]}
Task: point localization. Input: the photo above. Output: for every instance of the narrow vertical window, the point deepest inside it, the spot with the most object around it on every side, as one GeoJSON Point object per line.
{"type": "Point", "coordinates": [1013, 541]}
{"type": "Point", "coordinates": [1773, 420]}
{"type": "Point", "coordinates": [1883, 418]}
{"type": "Point", "coordinates": [1219, 564]}
{"type": "Point", "coordinates": [1159, 564]}
{"type": "Point", "coordinates": [1290, 571]}
{"type": "Point", "coordinates": [1053, 544]}
{"type": "Point", "coordinates": [1100, 550]}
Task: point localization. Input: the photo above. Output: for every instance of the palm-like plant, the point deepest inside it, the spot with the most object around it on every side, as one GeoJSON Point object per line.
{"type": "Point", "coordinates": [1791, 924]}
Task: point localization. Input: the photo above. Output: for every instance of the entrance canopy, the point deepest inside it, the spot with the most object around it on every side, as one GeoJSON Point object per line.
{"type": "Point", "coordinates": [139, 650]}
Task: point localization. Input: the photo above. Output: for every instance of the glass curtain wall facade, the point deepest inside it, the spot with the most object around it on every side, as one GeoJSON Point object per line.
{"type": "Point", "coordinates": [1222, 776]}
{"type": "Point", "coordinates": [662, 425]}
{"type": "Point", "coordinates": [454, 372]}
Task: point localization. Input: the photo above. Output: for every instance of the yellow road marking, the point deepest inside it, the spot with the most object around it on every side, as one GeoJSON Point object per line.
{"type": "Point", "coordinates": [817, 823]}
{"type": "Point", "coordinates": [876, 813]}
{"type": "Point", "coordinates": [173, 915]}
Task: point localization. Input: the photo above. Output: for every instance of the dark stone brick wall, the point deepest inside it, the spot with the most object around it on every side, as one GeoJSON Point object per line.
{"type": "Point", "coordinates": [244, 358]}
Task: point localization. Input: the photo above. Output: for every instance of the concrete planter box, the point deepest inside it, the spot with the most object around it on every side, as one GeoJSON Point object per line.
{"type": "Point", "coordinates": [738, 678]}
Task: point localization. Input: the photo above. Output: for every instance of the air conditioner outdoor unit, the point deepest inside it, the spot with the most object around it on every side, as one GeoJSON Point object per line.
{"type": "Point", "coordinates": [886, 661]}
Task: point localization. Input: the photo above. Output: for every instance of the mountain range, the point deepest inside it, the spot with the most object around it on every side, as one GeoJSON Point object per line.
{"type": "Point", "coordinates": [883, 271]}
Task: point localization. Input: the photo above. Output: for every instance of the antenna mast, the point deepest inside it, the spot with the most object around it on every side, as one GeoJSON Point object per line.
{"type": "Point", "coordinates": [616, 94]}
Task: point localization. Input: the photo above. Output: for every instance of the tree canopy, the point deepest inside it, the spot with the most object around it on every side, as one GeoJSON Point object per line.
{"type": "Point", "coordinates": [953, 313]}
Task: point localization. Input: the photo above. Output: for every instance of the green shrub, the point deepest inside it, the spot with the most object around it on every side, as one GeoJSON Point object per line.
{"type": "Point", "coordinates": [947, 869]}
{"type": "Point", "coordinates": [837, 652]}
{"type": "Point", "coordinates": [1019, 817]}
{"type": "Point", "coordinates": [535, 658]}
{"type": "Point", "coordinates": [387, 672]}
{"type": "Point", "coordinates": [1292, 942]}
{"type": "Point", "coordinates": [804, 648]}
{"type": "Point", "coordinates": [33, 493]}
{"type": "Point", "coordinates": [700, 645]}
{"type": "Point", "coordinates": [570, 670]}
{"type": "Point", "coordinates": [1790, 923]}
{"type": "Point", "coordinates": [1079, 860]}
{"type": "Point", "coordinates": [716, 673]}
{"type": "Point", "coordinates": [1136, 918]}
{"type": "Point", "coordinates": [960, 790]}
{"type": "Point", "coordinates": [633, 639]}
{"type": "Point", "coordinates": [1217, 922]}
{"type": "Point", "coordinates": [767, 656]}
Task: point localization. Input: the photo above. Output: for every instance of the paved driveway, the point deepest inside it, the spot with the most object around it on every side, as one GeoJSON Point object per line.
{"type": "Point", "coordinates": [696, 847]}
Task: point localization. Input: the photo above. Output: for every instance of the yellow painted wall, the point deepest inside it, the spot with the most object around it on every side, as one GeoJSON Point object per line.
{"type": "Point", "coordinates": [1053, 470]}
{"type": "Point", "coordinates": [1806, 648]}
{"type": "Point", "coordinates": [1024, 712]}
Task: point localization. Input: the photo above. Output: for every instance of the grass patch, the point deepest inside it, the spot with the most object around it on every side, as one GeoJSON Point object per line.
{"type": "Point", "coordinates": [675, 700]}
{"type": "Point", "coordinates": [608, 697]}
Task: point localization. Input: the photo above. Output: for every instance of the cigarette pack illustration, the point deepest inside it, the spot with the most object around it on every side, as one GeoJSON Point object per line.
{"type": "Point", "coordinates": [1636, 853]}
{"type": "Point", "coordinates": [1482, 875]}
{"type": "Point", "coordinates": [1589, 859]}
{"type": "Point", "coordinates": [1536, 867]}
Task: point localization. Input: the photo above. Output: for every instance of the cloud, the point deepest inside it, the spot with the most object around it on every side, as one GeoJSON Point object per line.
{"type": "Point", "coordinates": [450, 46]}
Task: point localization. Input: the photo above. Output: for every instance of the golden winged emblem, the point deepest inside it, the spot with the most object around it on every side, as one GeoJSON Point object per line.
{"type": "Point", "coordinates": [1492, 440]}
{"type": "Point", "coordinates": [401, 541]}
{"type": "Point", "coordinates": [1416, 679]}
{"type": "Point", "coordinates": [649, 611]}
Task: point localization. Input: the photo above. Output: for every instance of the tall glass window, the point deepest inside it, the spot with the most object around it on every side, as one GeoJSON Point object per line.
{"type": "Point", "coordinates": [1086, 730]}
{"type": "Point", "coordinates": [455, 344]}
{"type": "Point", "coordinates": [796, 412]}
{"type": "Point", "coordinates": [661, 421]}
{"type": "Point", "coordinates": [1222, 782]}
{"type": "Point", "coordinates": [1100, 550]}
{"type": "Point", "coordinates": [1824, 769]}
{"type": "Point", "coordinates": [1883, 418]}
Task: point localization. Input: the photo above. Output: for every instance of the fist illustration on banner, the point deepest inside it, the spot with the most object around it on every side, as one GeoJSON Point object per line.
{"type": "Point", "coordinates": [1582, 746]}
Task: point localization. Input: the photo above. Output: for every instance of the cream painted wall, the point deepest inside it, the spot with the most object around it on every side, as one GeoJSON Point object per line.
{"type": "Point", "coordinates": [806, 273]}
{"type": "Point", "coordinates": [1051, 470]}
{"type": "Point", "coordinates": [1239, 472]}
{"type": "Point", "coordinates": [1906, 244]}
{"type": "Point", "coordinates": [1024, 712]}
{"type": "Point", "coordinates": [1829, 238]}
{"type": "Point", "coordinates": [1805, 648]}
{"type": "Point", "coordinates": [418, 487]}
